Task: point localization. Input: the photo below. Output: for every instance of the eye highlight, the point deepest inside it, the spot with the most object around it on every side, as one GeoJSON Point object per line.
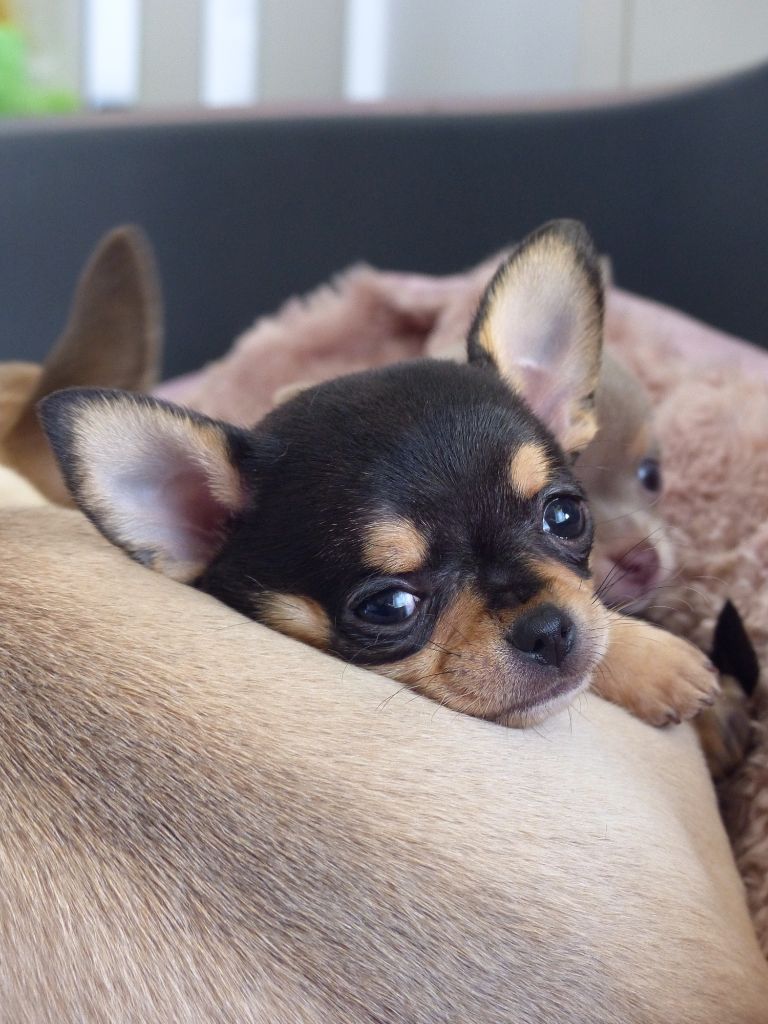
{"type": "Point", "coordinates": [565, 517]}
{"type": "Point", "coordinates": [387, 608]}
{"type": "Point", "coordinates": [649, 474]}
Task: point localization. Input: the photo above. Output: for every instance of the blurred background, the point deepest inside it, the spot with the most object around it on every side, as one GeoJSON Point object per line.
{"type": "Point", "coordinates": [92, 55]}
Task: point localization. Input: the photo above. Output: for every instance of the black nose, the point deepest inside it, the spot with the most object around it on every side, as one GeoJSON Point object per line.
{"type": "Point", "coordinates": [544, 634]}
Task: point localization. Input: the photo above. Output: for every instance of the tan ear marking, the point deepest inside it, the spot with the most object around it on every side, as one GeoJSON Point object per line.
{"type": "Point", "coordinates": [580, 432]}
{"type": "Point", "coordinates": [529, 469]}
{"type": "Point", "coordinates": [394, 545]}
{"type": "Point", "coordinates": [296, 616]}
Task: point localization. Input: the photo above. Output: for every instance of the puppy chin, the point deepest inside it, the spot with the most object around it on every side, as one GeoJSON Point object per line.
{"type": "Point", "coordinates": [538, 711]}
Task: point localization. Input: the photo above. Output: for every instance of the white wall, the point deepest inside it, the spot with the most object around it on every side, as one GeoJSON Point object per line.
{"type": "Point", "coordinates": [315, 50]}
{"type": "Point", "coordinates": [170, 73]}
{"type": "Point", "coordinates": [302, 51]}
{"type": "Point", "coordinates": [482, 49]}
{"type": "Point", "coordinates": [497, 47]}
{"type": "Point", "coordinates": [681, 39]}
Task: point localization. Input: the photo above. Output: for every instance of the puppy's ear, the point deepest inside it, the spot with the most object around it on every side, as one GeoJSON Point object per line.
{"type": "Point", "coordinates": [732, 651]}
{"type": "Point", "coordinates": [159, 481]}
{"type": "Point", "coordinates": [540, 325]}
{"type": "Point", "coordinates": [113, 339]}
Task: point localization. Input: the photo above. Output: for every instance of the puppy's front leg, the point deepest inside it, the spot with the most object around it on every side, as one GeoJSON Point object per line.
{"type": "Point", "coordinates": [655, 675]}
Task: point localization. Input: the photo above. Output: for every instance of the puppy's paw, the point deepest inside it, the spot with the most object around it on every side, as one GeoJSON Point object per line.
{"type": "Point", "coordinates": [674, 684]}
{"type": "Point", "coordinates": [655, 675]}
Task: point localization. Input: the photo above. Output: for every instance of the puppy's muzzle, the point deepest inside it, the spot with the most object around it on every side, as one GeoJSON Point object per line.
{"type": "Point", "coordinates": [544, 634]}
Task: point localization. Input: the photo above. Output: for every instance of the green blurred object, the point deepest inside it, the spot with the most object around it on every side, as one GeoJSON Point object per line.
{"type": "Point", "coordinates": [18, 96]}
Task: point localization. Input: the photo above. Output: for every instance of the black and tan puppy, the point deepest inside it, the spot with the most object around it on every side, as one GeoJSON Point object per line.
{"type": "Point", "coordinates": [421, 519]}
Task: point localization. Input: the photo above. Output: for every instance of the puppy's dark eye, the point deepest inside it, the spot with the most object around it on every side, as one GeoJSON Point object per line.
{"type": "Point", "coordinates": [649, 474]}
{"type": "Point", "coordinates": [387, 608]}
{"type": "Point", "coordinates": [565, 517]}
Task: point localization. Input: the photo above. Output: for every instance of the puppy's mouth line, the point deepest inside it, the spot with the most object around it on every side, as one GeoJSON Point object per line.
{"type": "Point", "coordinates": [563, 688]}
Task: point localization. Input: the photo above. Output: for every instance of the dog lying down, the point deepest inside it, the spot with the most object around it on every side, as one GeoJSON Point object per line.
{"type": "Point", "coordinates": [422, 519]}
{"type": "Point", "coordinates": [206, 821]}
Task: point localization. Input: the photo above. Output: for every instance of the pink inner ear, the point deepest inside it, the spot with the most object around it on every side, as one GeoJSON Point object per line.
{"type": "Point", "coordinates": [550, 404]}
{"type": "Point", "coordinates": [168, 502]}
{"type": "Point", "coordinates": [191, 503]}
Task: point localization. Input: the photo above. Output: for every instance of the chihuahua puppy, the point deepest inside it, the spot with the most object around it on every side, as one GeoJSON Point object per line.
{"type": "Point", "coordinates": [619, 469]}
{"type": "Point", "coordinates": [621, 473]}
{"type": "Point", "coordinates": [422, 519]}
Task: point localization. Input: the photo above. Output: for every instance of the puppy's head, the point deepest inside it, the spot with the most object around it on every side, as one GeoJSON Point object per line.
{"type": "Point", "coordinates": [422, 519]}
{"type": "Point", "coordinates": [621, 472]}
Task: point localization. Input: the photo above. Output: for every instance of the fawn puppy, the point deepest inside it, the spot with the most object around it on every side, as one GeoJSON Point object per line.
{"type": "Point", "coordinates": [621, 472]}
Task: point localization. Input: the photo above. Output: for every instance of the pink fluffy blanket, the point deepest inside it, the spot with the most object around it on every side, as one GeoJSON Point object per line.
{"type": "Point", "coordinates": [711, 397]}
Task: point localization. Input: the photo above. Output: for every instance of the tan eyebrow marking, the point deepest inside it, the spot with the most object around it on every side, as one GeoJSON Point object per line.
{"type": "Point", "coordinates": [296, 616]}
{"type": "Point", "coordinates": [529, 469]}
{"type": "Point", "coordinates": [394, 545]}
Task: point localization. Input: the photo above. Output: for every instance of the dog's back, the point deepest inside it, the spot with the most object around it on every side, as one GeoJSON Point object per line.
{"type": "Point", "coordinates": [205, 821]}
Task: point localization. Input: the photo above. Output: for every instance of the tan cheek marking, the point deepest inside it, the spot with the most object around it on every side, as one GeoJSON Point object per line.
{"type": "Point", "coordinates": [457, 626]}
{"type": "Point", "coordinates": [465, 629]}
{"type": "Point", "coordinates": [394, 545]}
{"type": "Point", "coordinates": [529, 469]}
{"type": "Point", "coordinates": [299, 617]}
